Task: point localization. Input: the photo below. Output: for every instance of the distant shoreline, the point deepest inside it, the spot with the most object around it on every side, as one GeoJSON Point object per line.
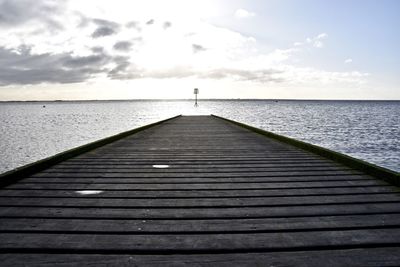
{"type": "Point", "coordinates": [208, 99]}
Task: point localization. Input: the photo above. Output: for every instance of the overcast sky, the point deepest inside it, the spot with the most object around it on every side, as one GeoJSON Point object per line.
{"type": "Point", "coordinates": [119, 49]}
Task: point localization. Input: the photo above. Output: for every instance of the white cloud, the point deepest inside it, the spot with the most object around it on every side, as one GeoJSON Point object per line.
{"type": "Point", "coordinates": [91, 46]}
{"type": "Point", "coordinates": [318, 44]}
{"type": "Point", "coordinates": [317, 41]}
{"type": "Point", "coordinates": [348, 61]}
{"type": "Point", "coordinates": [322, 36]}
{"type": "Point", "coordinates": [243, 13]}
{"type": "Point", "coordinates": [280, 55]}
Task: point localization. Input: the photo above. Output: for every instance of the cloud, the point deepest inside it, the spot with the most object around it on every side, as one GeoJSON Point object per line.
{"type": "Point", "coordinates": [21, 66]}
{"type": "Point", "coordinates": [317, 41]}
{"type": "Point", "coordinates": [85, 61]}
{"type": "Point", "coordinates": [243, 13]}
{"type": "Point", "coordinates": [133, 25]}
{"type": "Point", "coordinates": [126, 70]}
{"type": "Point", "coordinates": [198, 48]}
{"type": "Point", "coordinates": [280, 55]}
{"type": "Point", "coordinates": [167, 25]}
{"type": "Point", "coordinates": [105, 28]}
{"type": "Point", "coordinates": [160, 53]}
{"type": "Point", "coordinates": [97, 49]}
{"type": "Point", "coordinates": [150, 22]}
{"type": "Point", "coordinates": [103, 31]}
{"type": "Point", "coordinates": [348, 61]}
{"type": "Point", "coordinates": [257, 75]}
{"type": "Point", "coordinates": [312, 76]}
{"type": "Point", "coordinates": [121, 69]}
{"type": "Point", "coordinates": [105, 23]}
{"type": "Point", "coordinates": [123, 46]}
{"type": "Point", "coordinates": [15, 13]}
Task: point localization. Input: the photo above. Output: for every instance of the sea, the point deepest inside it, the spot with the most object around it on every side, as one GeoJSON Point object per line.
{"type": "Point", "coordinates": [367, 130]}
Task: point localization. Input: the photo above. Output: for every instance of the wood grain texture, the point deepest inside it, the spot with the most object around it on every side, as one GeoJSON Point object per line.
{"type": "Point", "coordinates": [229, 196]}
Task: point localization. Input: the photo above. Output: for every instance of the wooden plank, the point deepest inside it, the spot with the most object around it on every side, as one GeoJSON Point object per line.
{"type": "Point", "coordinates": [193, 213]}
{"type": "Point", "coordinates": [178, 203]}
{"type": "Point", "coordinates": [188, 161]}
{"type": "Point", "coordinates": [221, 186]}
{"type": "Point", "coordinates": [253, 193]}
{"type": "Point", "coordinates": [194, 170]}
{"type": "Point", "coordinates": [199, 225]}
{"type": "Point", "coordinates": [367, 257]}
{"type": "Point", "coordinates": [180, 166]}
{"type": "Point", "coordinates": [199, 174]}
{"type": "Point", "coordinates": [242, 179]}
{"type": "Point", "coordinates": [198, 242]}
{"type": "Point", "coordinates": [228, 158]}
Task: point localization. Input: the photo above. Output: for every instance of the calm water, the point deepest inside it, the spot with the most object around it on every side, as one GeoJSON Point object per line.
{"type": "Point", "coordinates": [366, 130]}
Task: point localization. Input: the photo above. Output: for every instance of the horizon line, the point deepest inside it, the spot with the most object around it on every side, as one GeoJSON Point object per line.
{"type": "Point", "coordinates": [191, 99]}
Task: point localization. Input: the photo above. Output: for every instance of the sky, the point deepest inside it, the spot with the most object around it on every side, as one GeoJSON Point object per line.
{"type": "Point", "coordinates": [163, 49]}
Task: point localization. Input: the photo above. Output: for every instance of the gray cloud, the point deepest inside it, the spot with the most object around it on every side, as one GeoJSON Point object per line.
{"type": "Point", "coordinates": [198, 48]}
{"type": "Point", "coordinates": [103, 31]}
{"type": "Point", "coordinates": [97, 49]}
{"type": "Point", "coordinates": [23, 67]}
{"type": "Point", "coordinates": [133, 25]}
{"type": "Point", "coordinates": [79, 62]}
{"type": "Point", "coordinates": [167, 25]}
{"type": "Point", "coordinates": [45, 75]}
{"type": "Point", "coordinates": [14, 13]}
{"type": "Point", "coordinates": [105, 28]}
{"type": "Point", "coordinates": [105, 23]}
{"type": "Point", "coordinates": [121, 70]}
{"type": "Point", "coordinates": [125, 70]}
{"type": "Point", "coordinates": [260, 75]}
{"type": "Point", "coordinates": [123, 46]}
{"type": "Point", "coordinates": [83, 21]}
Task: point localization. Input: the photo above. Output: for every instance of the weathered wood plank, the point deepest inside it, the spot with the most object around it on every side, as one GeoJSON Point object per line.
{"type": "Point", "coordinates": [366, 257]}
{"type": "Point", "coordinates": [253, 193]}
{"type": "Point", "coordinates": [198, 242]}
{"type": "Point", "coordinates": [150, 169]}
{"type": "Point", "coordinates": [199, 225]}
{"type": "Point", "coordinates": [199, 174]}
{"type": "Point", "coordinates": [200, 180]}
{"type": "Point", "coordinates": [188, 161]}
{"type": "Point", "coordinates": [177, 203]}
{"type": "Point", "coordinates": [224, 186]}
{"type": "Point", "coordinates": [197, 213]}
{"type": "Point", "coordinates": [181, 166]}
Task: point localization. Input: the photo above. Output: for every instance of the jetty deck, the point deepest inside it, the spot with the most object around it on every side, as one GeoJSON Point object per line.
{"type": "Point", "coordinates": [198, 190]}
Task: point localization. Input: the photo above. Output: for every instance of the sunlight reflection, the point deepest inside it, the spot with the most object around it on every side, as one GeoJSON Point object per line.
{"type": "Point", "coordinates": [89, 192]}
{"type": "Point", "coordinates": [161, 166]}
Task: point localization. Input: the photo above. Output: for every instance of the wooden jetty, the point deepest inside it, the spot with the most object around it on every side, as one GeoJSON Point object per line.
{"type": "Point", "coordinates": [200, 190]}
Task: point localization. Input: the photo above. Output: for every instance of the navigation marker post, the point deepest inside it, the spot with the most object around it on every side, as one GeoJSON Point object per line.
{"type": "Point", "coordinates": [196, 92]}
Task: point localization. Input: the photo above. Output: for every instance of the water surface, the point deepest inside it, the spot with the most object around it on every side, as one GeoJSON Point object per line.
{"type": "Point", "coordinates": [368, 130]}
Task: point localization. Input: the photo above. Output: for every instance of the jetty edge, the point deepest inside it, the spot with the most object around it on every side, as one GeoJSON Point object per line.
{"type": "Point", "coordinates": [19, 173]}
{"type": "Point", "coordinates": [385, 174]}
